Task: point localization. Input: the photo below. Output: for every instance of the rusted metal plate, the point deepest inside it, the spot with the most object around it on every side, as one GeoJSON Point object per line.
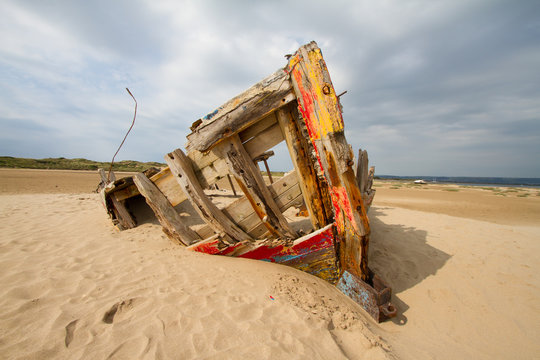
{"type": "Point", "coordinates": [375, 301]}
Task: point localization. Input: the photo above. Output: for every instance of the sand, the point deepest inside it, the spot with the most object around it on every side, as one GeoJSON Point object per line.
{"type": "Point", "coordinates": [465, 279]}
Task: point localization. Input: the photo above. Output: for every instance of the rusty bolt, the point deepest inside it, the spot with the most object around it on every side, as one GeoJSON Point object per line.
{"type": "Point", "coordinates": [326, 89]}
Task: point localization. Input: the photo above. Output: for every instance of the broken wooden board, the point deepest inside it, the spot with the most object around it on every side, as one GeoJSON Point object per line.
{"type": "Point", "coordinates": [250, 180]}
{"type": "Point", "coordinates": [285, 192]}
{"type": "Point", "coordinates": [182, 170]}
{"type": "Point", "coordinates": [168, 217]}
{"type": "Point", "coordinates": [240, 112]}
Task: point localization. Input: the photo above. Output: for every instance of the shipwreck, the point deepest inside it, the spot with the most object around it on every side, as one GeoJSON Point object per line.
{"type": "Point", "coordinates": [330, 190]}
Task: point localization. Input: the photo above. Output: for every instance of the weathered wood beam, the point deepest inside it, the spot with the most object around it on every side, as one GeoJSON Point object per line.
{"type": "Point", "coordinates": [125, 220]}
{"type": "Point", "coordinates": [240, 112]}
{"type": "Point", "coordinates": [369, 194]}
{"type": "Point", "coordinates": [362, 170]}
{"type": "Point", "coordinates": [231, 184]}
{"type": "Point", "coordinates": [307, 177]}
{"type": "Point", "coordinates": [249, 178]}
{"type": "Point", "coordinates": [208, 167]}
{"type": "Point", "coordinates": [182, 170]}
{"type": "Point", "coordinates": [265, 140]}
{"type": "Point", "coordinates": [166, 214]}
{"type": "Point", "coordinates": [285, 192]}
{"type": "Point", "coordinates": [320, 109]}
{"type": "Point", "coordinates": [103, 176]}
{"type": "Point", "coordinates": [258, 127]}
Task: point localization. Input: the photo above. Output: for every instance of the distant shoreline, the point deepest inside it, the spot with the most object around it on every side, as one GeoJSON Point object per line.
{"type": "Point", "coordinates": [469, 180]}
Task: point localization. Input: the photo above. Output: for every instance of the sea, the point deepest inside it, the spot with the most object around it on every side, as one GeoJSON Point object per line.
{"type": "Point", "coordinates": [473, 181]}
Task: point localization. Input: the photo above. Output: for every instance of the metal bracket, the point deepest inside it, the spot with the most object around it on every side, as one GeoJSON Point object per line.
{"type": "Point", "coordinates": [374, 297]}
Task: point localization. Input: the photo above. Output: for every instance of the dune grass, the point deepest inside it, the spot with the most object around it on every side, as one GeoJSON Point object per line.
{"type": "Point", "coordinates": [74, 164]}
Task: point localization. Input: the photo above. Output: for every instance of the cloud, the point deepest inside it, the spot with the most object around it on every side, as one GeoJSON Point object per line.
{"type": "Point", "coordinates": [436, 88]}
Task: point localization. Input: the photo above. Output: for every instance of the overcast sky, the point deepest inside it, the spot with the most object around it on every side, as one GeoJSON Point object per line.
{"type": "Point", "coordinates": [434, 87]}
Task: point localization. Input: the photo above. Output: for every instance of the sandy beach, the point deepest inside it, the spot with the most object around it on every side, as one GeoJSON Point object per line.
{"type": "Point", "coordinates": [462, 262]}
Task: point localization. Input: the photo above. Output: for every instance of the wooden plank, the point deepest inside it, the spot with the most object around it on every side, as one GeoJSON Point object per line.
{"type": "Point", "coordinates": [291, 197]}
{"type": "Point", "coordinates": [182, 170]}
{"type": "Point", "coordinates": [285, 192]}
{"type": "Point", "coordinates": [165, 213]}
{"type": "Point", "coordinates": [307, 177]}
{"type": "Point", "coordinates": [126, 193]}
{"type": "Point", "coordinates": [231, 184]}
{"type": "Point", "coordinates": [215, 245]}
{"type": "Point", "coordinates": [208, 167]}
{"type": "Point", "coordinates": [258, 127]}
{"type": "Point", "coordinates": [103, 176]}
{"type": "Point", "coordinates": [321, 112]}
{"type": "Point", "coordinates": [362, 170]}
{"type": "Point", "coordinates": [123, 216]}
{"type": "Point", "coordinates": [264, 141]}
{"type": "Point", "coordinates": [369, 193]}
{"type": "Point", "coordinates": [313, 253]}
{"type": "Point", "coordinates": [249, 178]}
{"type": "Point", "coordinates": [241, 112]}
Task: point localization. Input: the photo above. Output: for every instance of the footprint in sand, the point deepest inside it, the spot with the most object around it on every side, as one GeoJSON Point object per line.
{"type": "Point", "coordinates": [70, 329]}
{"type": "Point", "coordinates": [119, 309]}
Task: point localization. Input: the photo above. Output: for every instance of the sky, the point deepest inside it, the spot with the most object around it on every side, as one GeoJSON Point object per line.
{"type": "Point", "coordinates": [442, 88]}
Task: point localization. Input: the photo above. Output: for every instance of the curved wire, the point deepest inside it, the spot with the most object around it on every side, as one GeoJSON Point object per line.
{"type": "Point", "coordinates": [125, 137]}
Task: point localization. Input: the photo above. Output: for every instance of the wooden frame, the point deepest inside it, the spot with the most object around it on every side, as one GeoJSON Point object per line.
{"type": "Point", "coordinates": [298, 105]}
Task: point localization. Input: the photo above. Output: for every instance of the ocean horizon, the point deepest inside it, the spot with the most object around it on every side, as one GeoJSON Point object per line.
{"type": "Point", "coordinates": [470, 180]}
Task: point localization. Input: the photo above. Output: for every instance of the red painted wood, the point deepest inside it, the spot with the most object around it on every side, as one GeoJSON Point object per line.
{"type": "Point", "coordinates": [310, 243]}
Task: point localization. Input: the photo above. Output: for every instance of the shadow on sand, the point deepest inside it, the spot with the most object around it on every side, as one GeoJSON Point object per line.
{"type": "Point", "coordinates": [401, 256]}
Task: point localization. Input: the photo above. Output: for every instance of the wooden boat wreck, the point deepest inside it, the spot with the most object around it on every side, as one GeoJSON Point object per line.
{"type": "Point", "coordinates": [298, 105]}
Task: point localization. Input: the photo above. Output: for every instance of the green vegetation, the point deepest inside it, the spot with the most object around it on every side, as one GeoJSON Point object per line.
{"type": "Point", "coordinates": [451, 189]}
{"type": "Point", "coordinates": [74, 164]}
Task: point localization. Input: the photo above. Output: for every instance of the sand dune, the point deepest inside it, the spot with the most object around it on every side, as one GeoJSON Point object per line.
{"type": "Point", "coordinates": [73, 287]}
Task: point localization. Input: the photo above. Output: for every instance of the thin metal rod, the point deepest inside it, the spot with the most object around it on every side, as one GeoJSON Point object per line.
{"type": "Point", "coordinates": [131, 127]}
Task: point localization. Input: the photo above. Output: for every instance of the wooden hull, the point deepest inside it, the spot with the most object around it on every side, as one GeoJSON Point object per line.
{"type": "Point", "coordinates": [296, 105]}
